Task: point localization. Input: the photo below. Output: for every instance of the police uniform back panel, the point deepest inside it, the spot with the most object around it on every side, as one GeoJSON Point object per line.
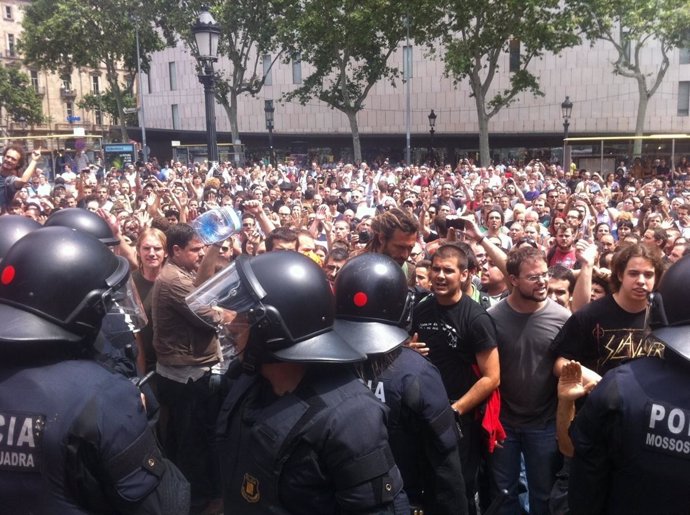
{"type": "Point", "coordinates": [422, 433]}
{"type": "Point", "coordinates": [304, 452]}
{"type": "Point", "coordinates": [644, 447]}
{"type": "Point", "coordinates": [40, 463]}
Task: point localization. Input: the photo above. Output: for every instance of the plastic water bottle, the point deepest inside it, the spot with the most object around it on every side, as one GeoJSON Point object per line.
{"type": "Point", "coordinates": [216, 225]}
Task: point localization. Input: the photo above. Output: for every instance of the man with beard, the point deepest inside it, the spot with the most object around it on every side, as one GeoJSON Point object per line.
{"type": "Point", "coordinates": [458, 336]}
{"type": "Point", "coordinates": [527, 321]}
{"type": "Point", "coordinates": [395, 235]}
{"type": "Point", "coordinates": [563, 251]}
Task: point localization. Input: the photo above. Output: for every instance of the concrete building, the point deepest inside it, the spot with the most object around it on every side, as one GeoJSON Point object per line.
{"type": "Point", "coordinates": [604, 104]}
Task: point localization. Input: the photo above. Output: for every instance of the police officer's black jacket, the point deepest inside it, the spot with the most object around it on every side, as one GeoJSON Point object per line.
{"type": "Point", "coordinates": [632, 441]}
{"type": "Point", "coordinates": [321, 449]}
{"type": "Point", "coordinates": [74, 439]}
{"type": "Point", "coordinates": [423, 432]}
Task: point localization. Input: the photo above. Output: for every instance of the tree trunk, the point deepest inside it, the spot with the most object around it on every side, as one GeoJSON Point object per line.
{"type": "Point", "coordinates": [356, 145]}
{"type": "Point", "coordinates": [642, 103]}
{"type": "Point", "coordinates": [113, 81]}
{"type": "Point", "coordinates": [483, 122]}
{"type": "Point", "coordinates": [231, 112]}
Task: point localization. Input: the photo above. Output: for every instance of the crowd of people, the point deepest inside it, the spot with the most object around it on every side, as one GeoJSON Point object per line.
{"type": "Point", "coordinates": [519, 288]}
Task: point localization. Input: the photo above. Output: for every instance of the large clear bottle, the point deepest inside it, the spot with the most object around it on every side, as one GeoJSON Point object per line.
{"type": "Point", "coordinates": [217, 225]}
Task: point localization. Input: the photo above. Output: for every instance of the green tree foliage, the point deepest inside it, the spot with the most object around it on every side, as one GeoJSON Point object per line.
{"type": "Point", "coordinates": [248, 32]}
{"type": "Point", "coordinates": [107, 103]}
{"type": "Point", "coordinates": [475, 37]}
{"type": "Point", "coordinates": [348, 43]}
{"type": "Point", "coordinates": [18, 100]}
{"type": "Point", "coordinates": [60, 35]}
{"type": "Point", "coordinates": [631, 27]}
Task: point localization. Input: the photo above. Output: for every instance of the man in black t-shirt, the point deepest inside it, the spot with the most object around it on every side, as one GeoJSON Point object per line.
{"type": "Point", "coordinates": [610, 331]}
{"type": "Point", "coordinates": [457, 335]}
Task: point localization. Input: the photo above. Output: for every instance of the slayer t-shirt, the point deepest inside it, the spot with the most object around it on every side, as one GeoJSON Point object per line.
{"type": "Point", "coordinates": [602, 335]}
{"type": "Point", "coordinates": [454, 335]}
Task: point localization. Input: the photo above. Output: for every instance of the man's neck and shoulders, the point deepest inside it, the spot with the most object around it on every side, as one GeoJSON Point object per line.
{"type": "Point", "coordinates": [608, 311]}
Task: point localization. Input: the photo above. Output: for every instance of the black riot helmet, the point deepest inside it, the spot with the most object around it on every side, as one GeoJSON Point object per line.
{"type": "Point", "coordinates": [56, 285]}
{"type": "Point", "coordinates": [83, 220]}
{"type": "Point", "coordinates": [373, 303]}
{"type": "Point", "coordinates": [288, 304]}
{"type": "Point", "coordinates": [12, 229]}
{"type": "Point", "coordinates": [669, 314]}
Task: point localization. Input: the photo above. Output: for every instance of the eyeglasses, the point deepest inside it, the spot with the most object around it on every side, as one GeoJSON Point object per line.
{"type": "Point", "coordinates": [247, 224]}
{"type": "Point", "coordinates": [538, 277]}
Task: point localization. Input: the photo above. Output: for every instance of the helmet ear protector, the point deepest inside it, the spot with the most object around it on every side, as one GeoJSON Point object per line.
{"type": "Point", "coordinates": [89, 313]}
{"type": "Point", "coordinates": [668, 319]}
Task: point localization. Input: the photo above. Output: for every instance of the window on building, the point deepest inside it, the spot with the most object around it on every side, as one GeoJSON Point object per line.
{"type": "Point", "coordinates": [7, 12]}
{"type": "Point", "coordinates": [267, 70]}
{"type": "Point", "coordinates": [684, 98]}
{"type": "Point", "coordinates": [175, 116]}
{"type": "Point", "coordinates": [69, 108]}
{"type": "Point", "coordinates": [95, 85]}
{"type": "Point", "coordinates": [297, 68]}
{"type": "Point", "coordinates": [11, 45]}
{"type": "Point", "coordinates": [407, 62]}
{"type": "Point", "coordinates": [172, 73]}
{"type": "Point", "coordinates": [67, 83]}
{"type": "Point", "coordinates": [98, 116]}
{"type": "Point", "coordinates": [514, 53]}
{"type": "Point", "coordinates": [34, 81]}
{"type": "Point", "coordinates": [684, 50]}
{"type": "Point", "coordinates": [148, 83]}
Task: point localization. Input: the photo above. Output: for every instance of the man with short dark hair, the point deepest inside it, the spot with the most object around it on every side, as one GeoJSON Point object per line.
{"type": "Point", "coordinates": [186, 350]}
{"type": "Point", "coordinates": [281, 238]}
{"type": "Point", "coordinates": [457, 335]}
{"type": "Point", "coordinates": [563, 251]}
{"type": "Point", "coordinates": [561, 285]}
{"type": "Point", "coordinates": [335, 260]}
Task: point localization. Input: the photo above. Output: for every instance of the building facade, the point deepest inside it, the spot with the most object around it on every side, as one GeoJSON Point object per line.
{"type": "Point", "coordinates": [604, 104]}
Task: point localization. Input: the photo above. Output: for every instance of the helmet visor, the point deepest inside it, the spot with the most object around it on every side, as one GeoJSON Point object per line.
{"type": "Point", "coordinates": [127, 304]}
{"type": "Point", "coordinates": [225, 290]}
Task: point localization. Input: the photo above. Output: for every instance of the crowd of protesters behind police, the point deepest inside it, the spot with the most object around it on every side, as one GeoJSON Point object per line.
{"type": "Point", "coordinates": [573, 220]}
{"type": "Point", "coordinates": [336, 204]}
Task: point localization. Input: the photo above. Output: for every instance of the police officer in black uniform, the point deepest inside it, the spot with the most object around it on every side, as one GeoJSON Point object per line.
{"type": "Point", "coordinates": [73, 435]}
{"type": "Point", "coordinates": [632, 436]}
{"type": "Point", "coordinates": [116, 342]}
{"type": "Point", "coordinates": [373, 307]}
{"type": "Point", "coordinates": [298, 432]}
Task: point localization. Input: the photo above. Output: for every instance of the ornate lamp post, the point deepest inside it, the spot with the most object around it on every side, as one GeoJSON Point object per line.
{"type": "Point", "coordinates": [432, 131]}
{"type": "Point", "coordinates": [269, 111]}
{"type": "Point", "coordinates": [566, 109]}
{"type": "Point", "coordinates": [207, 34]}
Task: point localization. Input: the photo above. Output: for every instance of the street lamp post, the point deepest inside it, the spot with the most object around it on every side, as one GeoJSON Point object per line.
{"type": "Point", "coordinates": [566, 110]}
{"type": "Point", "coordinates": [269, 111]}
{"type": "Point", "coordinates": [141, 111]}
{"type": "Point", "coordinates": [207, 33]}
{"type": "Point", "coordinates": [432, 131]}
